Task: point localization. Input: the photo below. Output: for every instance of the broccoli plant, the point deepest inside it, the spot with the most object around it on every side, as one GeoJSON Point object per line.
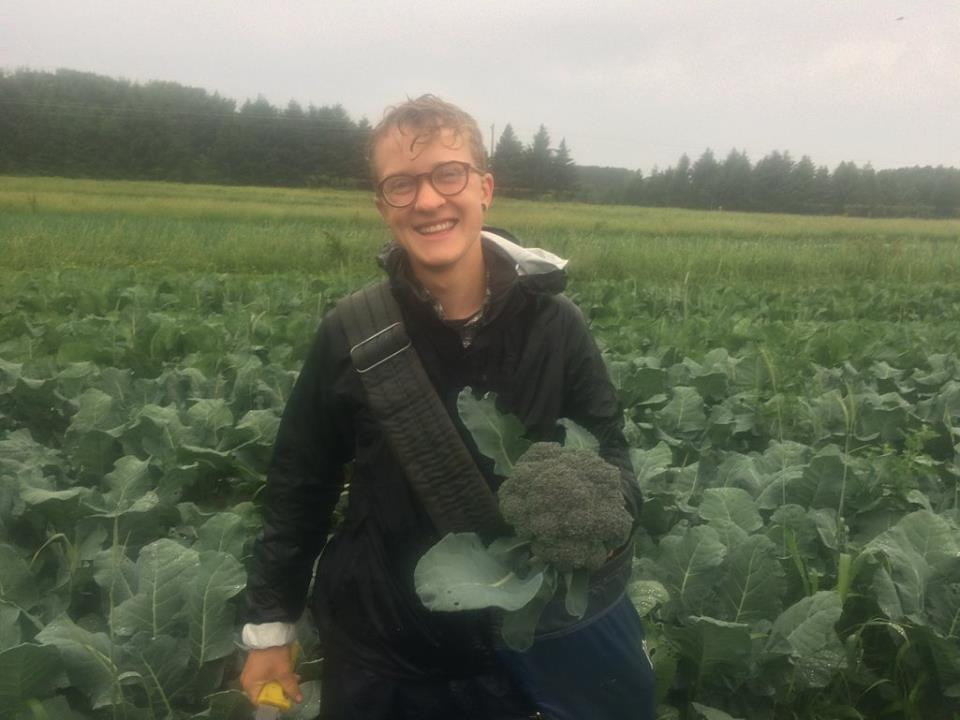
{"type": "Point", "coordinates": [566, 507]}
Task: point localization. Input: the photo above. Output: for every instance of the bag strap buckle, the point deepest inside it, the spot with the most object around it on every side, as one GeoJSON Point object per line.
{"type": "Point", "coordinates": [379, 347]}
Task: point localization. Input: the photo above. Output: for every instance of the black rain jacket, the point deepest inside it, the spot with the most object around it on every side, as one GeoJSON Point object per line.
{"type": "Point", "coordinates": [534, 350]}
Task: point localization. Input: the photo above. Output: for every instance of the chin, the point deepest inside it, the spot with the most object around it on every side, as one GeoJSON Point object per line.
{"type": "Point", "coordinates": [436, 261]}
{"type": "Point", "coordinates": [439, 258]}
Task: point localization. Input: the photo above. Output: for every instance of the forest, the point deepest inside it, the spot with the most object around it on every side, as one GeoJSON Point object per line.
{"type": "Point", "coordinates": [77, 124]}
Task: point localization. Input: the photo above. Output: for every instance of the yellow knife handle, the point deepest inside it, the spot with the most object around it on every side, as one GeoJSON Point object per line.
{"type": "Point", "coordinates": [272, 693]}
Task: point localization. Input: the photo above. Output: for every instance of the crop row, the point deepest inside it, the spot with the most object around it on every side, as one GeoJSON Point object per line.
{"type": "Point", "coordinates": [800, 553]}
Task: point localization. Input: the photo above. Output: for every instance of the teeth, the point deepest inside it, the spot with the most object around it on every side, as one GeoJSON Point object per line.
{"type": "Point", "coordinates": [438, 227]}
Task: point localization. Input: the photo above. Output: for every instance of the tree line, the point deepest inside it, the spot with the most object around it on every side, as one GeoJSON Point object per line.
{"type": "Point", "coordinates": [79, 124]}
{"type": "Point", "coordinates": [85, 125]}
{"type": "Point", "coordinates": [778, 183]}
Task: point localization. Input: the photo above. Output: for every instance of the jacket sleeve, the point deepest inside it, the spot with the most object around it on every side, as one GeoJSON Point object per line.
{"type": "Point", "coordinates": [304, 481]}
{"type": "Point", "coordinates": [590, 400]}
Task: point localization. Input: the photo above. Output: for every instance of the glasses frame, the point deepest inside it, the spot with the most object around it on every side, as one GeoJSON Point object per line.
{"type": "Point", "coordinates": [429, 176]}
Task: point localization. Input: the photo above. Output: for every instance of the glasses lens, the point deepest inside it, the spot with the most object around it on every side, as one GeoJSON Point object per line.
{"type": "Point", "coordinates": [449, 178]}
{"type": "Point", "coordinates": [399, 190]}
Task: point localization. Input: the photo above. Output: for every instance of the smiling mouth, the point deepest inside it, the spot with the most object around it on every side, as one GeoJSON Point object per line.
{"type": "Point", "coordinates": [437, 227]}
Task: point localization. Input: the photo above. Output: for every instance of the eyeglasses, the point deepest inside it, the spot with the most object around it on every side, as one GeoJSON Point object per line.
{"type": "Point", "coordinates": [448, 179]}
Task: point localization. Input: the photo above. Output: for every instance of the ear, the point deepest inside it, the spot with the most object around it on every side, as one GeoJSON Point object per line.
{"type": "Point", "coordinates": [486, 187]}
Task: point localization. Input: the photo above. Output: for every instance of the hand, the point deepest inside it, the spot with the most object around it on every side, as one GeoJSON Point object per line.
{"type": "Point", "coordinates": [267, 665]}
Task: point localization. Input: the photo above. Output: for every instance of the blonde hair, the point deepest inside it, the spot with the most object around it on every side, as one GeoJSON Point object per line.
{"type": "Point", "coordinates": [427, 116]}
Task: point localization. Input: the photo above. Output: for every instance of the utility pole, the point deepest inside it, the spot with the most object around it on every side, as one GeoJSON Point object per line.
{"type": "Point", "coordinates": [491, 139]}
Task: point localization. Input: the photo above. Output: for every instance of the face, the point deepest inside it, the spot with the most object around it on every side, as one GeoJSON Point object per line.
{"type": "Point", "coordinates": [438, 232]}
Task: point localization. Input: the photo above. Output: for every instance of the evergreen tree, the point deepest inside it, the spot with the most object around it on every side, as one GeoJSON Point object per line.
{"type": "Point", "coordinates": [803, 192]}
{"type": "Point", "coordinates": [846, 185]}
{"type": "Point", "coordinates": [508, 162]}
{"type": "Point", "coordinates": [770, 183]}
{"type": "Point", "coordinates": [538, 163]}
{"type": "Point", "coordinates": [735, 183]}
{"type": "Point", "coordinates": [705, 181]}
{"type": "Point", "coordinates": [564, 170]}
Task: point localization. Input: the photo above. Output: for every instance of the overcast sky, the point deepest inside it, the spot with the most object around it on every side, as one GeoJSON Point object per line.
{"type": "Point", "coordinates": [629, 83]}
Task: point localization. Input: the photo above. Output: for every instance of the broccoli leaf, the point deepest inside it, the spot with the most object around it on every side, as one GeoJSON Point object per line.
{"type": "Point", "coordinates": [459, 573]}
{"type": "Point", "coordinates": [520, 626]}
{"type": "Point", "coordinates": [499, 436]}
{"type": "Point", "coordinates": [577, 582]}
{"type": "Point", "coordinates": [578, 436]}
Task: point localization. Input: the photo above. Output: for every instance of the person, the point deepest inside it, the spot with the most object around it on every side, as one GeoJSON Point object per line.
{"type": "Point", "coordinates": [481, 311]}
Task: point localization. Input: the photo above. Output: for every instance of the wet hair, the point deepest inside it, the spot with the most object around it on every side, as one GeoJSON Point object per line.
{"type": "Point", "coordinates": [424, 119]}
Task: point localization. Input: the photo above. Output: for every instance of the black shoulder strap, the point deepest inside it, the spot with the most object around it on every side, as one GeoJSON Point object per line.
{"type": "Point", "coordinates": [440, 468]}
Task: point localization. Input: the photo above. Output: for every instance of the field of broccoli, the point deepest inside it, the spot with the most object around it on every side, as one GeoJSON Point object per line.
{"type": "Point", "coordinates": [792, 403]}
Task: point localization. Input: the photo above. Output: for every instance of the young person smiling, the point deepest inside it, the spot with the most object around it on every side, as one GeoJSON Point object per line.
{"type": "Point", "coordinates": [480, 311]}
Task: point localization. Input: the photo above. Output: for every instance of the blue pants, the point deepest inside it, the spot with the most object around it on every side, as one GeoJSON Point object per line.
{"type": "Point", "coordinates": [598, 671]}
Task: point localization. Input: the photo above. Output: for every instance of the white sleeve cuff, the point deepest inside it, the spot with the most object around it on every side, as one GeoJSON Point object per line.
{"type": "Point", "coordinates": [265, 635]}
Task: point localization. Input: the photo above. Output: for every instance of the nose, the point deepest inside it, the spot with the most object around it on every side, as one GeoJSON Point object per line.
{"type": "Point", "coordinates": [427, 196]}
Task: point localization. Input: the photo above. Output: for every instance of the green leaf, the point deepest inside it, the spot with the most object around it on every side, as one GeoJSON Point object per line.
{"type": "Point", "coordinates": [744, 472]}
{"type": "Point", "coordinates": [162, 568]}
{"type": "Point", "coordinates": [95, 411]}
{"type": "Point", "coordinates": [156, 431]}
{"type": "Point", "coordinates": [646, 595]}
{"type": "Point", "coordinates": [498, 435]}
{"type": "Point", "coordinates": [28, 672]}
{"type": "Point", "coordinates": [911, 551]}
{"type": "Point", "coordinates": [227, 705]}
{"type": "Point", "coordinates": [943, 601]}
{"type": "Point", "coordinates": [732, 505]}
{"type": "Point", "coordinates": [162, 663]}
{"type": "Point", "coordinates": [130, 487]}
{"type": "Point", "coordinates": [55, 708]}
{"type": "Point", "coordinates": [87, 658]}
{"type": "Point", "coordinates": [115, 573]}
{"type": "Point", "coordinates": [10, 633]}
{"type": "Point", "coordinates": [753, 584]}
{"type": "Point", "coordinates": [648, 464]}
{"type": "Point", "coordinates": [688, 565]}
{"type": "Point", "coordinates": [518, 627]}
{"type": "Point", "coordinates": [208, 419]}
{"type": "Point", "coordinates": [60, 508]}
{"type": "Point", "coordinates": [211, 617]}
{"type": "Point", "coordinates": [684, 413]}
{"type": "Point", "coordinates": [791, 524]}
{"type": "Point", "coordinates": [709, 713]}
{"type": "Point", "coordinates": [576, 436]}
{"type": "Point", "coordinates": [510, 551]}
{"type": "Point", "coordinates": [17, 584]}
{"type": "Point", "coordinates": [822, 481]}
{"type": "Point", "coordinates": [828, 529]}
{"type": "Point", "coordinates": [720, 651]}
{"type": "Point", "coordinates": [459, 573]}
{"type": "Point", "coordinates": [577, 583]}
{"type": "Point", "coordinates": [805, 633]}
{"type": "Point", "coordinates": [19, 450]}
{"type": "Point", "coordinates": [224, 532]}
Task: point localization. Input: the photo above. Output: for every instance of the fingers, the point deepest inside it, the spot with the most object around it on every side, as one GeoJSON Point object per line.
{"type": "Point", "coordinates": [291, 686]}
{"type": "Point", "coordinates": [251, 689]}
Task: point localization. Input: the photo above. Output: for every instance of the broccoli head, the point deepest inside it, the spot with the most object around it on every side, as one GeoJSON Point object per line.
{"type": "Point", "coordinates": [569, 503]}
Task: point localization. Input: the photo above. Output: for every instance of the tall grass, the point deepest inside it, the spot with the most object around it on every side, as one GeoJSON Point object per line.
{"type": "Point", "coordinates": [53, 222]}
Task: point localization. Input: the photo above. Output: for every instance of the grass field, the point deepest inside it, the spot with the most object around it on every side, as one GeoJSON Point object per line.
{"type": "Point", "coordinates": [791, 394]}
{"type": "Point", "coordinates": [53, 223]}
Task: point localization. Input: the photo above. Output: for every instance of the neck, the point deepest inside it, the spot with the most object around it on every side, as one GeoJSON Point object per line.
{"type": "Point", "coordinates": [460, 288]}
